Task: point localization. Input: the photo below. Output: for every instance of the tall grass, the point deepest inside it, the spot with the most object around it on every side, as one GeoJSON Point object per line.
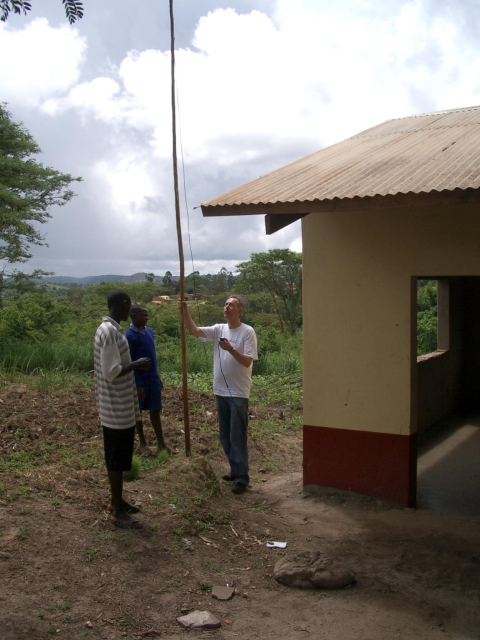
{"type": "Point", "coordinates": [199, 356]}
{"type": "Point", "coordinates": [280, 357]}
{"type": "Point", "coordinates": [45, 356]}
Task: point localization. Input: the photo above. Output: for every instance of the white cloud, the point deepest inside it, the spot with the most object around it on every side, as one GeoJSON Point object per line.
{"type": "Point", "coordinates": [255, 92]}
{"type": "Point", "coordinates": [308, 75]}
{"type": "Point", "coordinates": [42, 61]}
{"type": "Point", "coordinates": [97, 98]}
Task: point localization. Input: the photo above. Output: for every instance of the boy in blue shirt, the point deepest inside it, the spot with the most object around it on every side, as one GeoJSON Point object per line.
{"type": "Point", "coordinates": [149, 386]}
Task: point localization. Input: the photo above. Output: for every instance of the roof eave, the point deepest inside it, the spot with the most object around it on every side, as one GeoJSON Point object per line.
{"type": "Point", "coordinates": [357, 203]}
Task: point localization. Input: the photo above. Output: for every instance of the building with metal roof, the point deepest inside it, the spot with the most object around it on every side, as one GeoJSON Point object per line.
{"type": "Point", "coordinates": [396, 203]}
{"type": "Point", "coordinates": [423, 155]}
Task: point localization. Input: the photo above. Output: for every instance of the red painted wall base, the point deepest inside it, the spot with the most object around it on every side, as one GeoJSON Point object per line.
{"type": "Point", "coordinates": [376, 464]}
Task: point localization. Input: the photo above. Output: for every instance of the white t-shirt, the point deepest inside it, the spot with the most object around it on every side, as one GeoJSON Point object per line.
{"type": "Point", "coordinates": [230, 378]}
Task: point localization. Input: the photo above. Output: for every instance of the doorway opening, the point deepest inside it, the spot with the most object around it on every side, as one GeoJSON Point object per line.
{"type": "Point", "coordinates": [446, 393]}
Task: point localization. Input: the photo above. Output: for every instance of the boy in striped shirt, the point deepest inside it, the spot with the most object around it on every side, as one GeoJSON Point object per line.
{"type": "Point", "coordinates": [117, 402]}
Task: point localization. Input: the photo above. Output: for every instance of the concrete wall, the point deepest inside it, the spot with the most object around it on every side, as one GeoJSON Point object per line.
{"type": "Point", "coordinates": [359, 349]}
{"type": "Point", "coordinates": [437, 397]}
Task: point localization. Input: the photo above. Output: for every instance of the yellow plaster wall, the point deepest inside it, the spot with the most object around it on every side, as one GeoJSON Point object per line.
{"type": "Point", "coordinates": [358, 348]}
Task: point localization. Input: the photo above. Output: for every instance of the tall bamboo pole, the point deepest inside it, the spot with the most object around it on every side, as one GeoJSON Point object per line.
{"type": "Point", "coordinates": [186, 417]}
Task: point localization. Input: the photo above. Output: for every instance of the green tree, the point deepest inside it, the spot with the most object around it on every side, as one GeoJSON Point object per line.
{"type": "Point", "coordinates": [167, 279]}
{"type": "Point", "coordinates": [219, 283]}
{"type": "Point", "coordinates": [143, 292]}
{"type": "Point", "coordinates": [32, 317]}
{"type": "Point", "coordinates": [426, 317]}
{"type": "Point", "coordinates": [278, 271]}
{"type": "Point", "coordinates": [17, 283]}
{"type": "Point", "coordinates": [27, 191]}
{"type": "Point", "coordinates": [195, 283]}
{"type": "Point", "coordinates": [73, 9]}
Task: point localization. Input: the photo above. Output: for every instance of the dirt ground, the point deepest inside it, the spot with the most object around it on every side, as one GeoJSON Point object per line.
{"type": "Point", "coordinates": [67, 572]}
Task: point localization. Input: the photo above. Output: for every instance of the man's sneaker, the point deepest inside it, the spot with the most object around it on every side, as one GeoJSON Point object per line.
{"type": "Point", "coordinates": [239, 487]}
{"type": "Point", "coordinates": [228, 477]}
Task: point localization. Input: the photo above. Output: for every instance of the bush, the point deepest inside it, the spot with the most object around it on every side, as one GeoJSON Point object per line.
{"type": "Point", "coordinates": [427, 329]}
{"type": "Point", "coordinates": [32, 317]}
{"type": "Point", "coordinates": [136, 469]}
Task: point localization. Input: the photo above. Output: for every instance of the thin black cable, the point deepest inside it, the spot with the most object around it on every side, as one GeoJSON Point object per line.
{"type": "Point", "coordinates": [185, 193]}
{"type": "Point", "coordinates": [194, 282]}
{"type": "Point", "coordinates": [188, 215]}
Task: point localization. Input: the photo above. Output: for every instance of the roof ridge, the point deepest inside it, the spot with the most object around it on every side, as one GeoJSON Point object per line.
{"type": "Point", "coordinates": [435, 113]}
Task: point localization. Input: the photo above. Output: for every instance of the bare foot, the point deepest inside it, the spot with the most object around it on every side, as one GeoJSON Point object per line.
{"type": "Point", "coordinates": [163, 447]}
{"type": "Point", "coordinates": [127, 507]}
{"type": "Point", "coordinates": [145, 449]}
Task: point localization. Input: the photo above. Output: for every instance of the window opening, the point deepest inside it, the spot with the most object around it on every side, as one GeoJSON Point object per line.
{"type": "Point", "coordinates": [433, 327]}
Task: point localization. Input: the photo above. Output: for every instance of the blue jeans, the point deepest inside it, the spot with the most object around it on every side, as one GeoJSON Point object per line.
{"type": "Point", "coordinates": [233, 423]}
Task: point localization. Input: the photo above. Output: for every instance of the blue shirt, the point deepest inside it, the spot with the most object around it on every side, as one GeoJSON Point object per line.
{"type": "Point", "coordinates": [142, 345]}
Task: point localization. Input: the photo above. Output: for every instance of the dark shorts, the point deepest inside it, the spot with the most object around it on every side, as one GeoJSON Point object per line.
{"type": "Point", "coordinates": [118, 446]}
{"type": "Point", "coordinates": [153, 394]}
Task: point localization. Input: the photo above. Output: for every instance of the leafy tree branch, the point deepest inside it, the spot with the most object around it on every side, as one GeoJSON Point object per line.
{"type": "Point", "coordinates": [73, 9]}
{"type": "Point", "coordinates": [28, 190]}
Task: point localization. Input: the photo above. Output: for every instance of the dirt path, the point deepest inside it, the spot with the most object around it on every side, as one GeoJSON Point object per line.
{"type": "Point", "coordinates": [67, 573]}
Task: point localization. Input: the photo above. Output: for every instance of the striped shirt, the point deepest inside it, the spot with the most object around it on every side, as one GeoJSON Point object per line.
{"type": "Point", "coordinates": [117, 399]}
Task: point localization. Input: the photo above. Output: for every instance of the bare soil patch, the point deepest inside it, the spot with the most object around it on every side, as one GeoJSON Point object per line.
{"type": "Point", "coordinates": [67, 572]}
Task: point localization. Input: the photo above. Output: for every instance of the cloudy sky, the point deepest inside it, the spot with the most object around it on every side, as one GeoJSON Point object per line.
{"type": "Point", "coordinates": [261, 83]}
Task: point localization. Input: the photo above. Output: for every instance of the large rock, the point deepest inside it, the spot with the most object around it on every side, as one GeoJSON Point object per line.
{"type": "Point", "coordinates": [307, 570]}
{"type": "Point", "coordinates": [199, 620]}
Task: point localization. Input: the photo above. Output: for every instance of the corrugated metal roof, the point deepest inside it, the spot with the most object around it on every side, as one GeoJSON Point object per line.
{"type": "Point", "coordinates": [419, 154]}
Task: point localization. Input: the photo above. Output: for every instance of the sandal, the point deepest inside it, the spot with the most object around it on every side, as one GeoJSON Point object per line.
{"type": "Point", "coordinates": [127, 507]}
{"type": "Point", "coordinates": [126, 523]}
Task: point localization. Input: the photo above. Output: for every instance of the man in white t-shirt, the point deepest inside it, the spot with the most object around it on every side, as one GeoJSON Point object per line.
{"type": "Point", "coordinates": [235, 351]}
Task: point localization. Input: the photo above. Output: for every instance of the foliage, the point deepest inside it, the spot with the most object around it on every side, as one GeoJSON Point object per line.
{"type": "Point", "coordinates": [32, 317]}
{"type": "Point", "coordinates": [426, 317]}
{"type": "Point", "coordinates": [278, 353]}
{"type": "Point", "coordinates": [18, 283]}
{"type": "Point", "coordinates": [197, 284]}
{"type": "Point", "coordinates": [287, 389]}
{"type": "Point", "coordinates": [266, 389]}
{"type": "Point", "coordinates": [50, 330]}
{"type": "Point", "coordinates": [73, 9]}
{"type": "Point", "coordinates": [426, 295]}
{"type": "Point", "coordinates": [221, 283]}
{"type": "Point", "coordinates": [27, 191]}
{"type": "Point", "coordinates": [167, 279]}
{"type": "Point", "coordinates": [58, 358]}
{"type": "Point", "coordinates": [143, 292]}
{"type": "Point", "coordinates": [278, 271]}
{"type": "Point", "coordinates": [135, 470]}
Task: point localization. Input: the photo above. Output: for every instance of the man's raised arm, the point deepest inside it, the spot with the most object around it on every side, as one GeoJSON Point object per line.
{"type": "Point", "coordinates": [189, 323]}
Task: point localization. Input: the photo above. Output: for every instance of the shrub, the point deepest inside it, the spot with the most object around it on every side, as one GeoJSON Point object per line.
{"type": "Point", "coordinates": [135, 470]}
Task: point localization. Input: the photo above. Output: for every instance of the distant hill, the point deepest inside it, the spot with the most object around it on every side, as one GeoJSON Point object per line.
{"type": "Point", "coordinates": [137, 277]}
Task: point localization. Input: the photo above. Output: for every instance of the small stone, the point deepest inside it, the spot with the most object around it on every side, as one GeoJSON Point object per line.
{"type": "Point", "coordinates": [223, 593]}
{"type": "Point", "coordinates": [199, 620]}
{"type": "Point", "coordinates": [88, 624]}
